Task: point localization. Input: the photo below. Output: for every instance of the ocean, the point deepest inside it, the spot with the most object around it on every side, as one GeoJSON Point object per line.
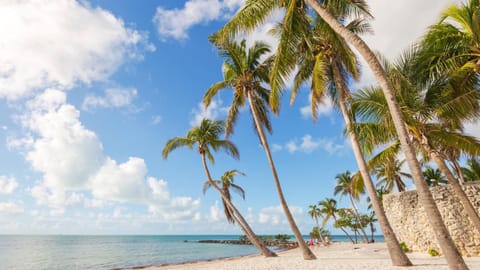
{"type": "Point", "coordinates": [55, 252]}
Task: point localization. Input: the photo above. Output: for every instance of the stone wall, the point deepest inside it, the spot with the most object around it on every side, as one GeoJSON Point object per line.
{"type": "Point", "coordinates": [411, 226]}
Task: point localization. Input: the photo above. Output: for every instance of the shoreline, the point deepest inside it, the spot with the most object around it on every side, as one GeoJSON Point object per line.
{"type": "Point", "coordinates": [195, 262]}
{"type": "Point", "coordinates": [339, 256]}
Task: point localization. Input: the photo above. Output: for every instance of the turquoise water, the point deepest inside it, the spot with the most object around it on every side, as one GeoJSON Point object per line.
{"type": "Point", "coordinates": [52, 252]}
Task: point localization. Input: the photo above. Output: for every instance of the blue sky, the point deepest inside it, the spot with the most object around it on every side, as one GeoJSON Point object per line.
{"type": "Point", "coordinates": [90, 91]}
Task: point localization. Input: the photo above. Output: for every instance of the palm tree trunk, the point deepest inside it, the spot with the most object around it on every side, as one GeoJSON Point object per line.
{"type": "Point", "coordinates": [458, 171]}
{"type": "Point", "coordinates": [397, 255]}
{"type": "Point", "coordinates": [457, 189]}
{"type": "Point", "coordinates": [240, 220]}
{"type": "Point", "coordinates": [454, 259]}
{"type": "Point", "coordinates": [307, 253]}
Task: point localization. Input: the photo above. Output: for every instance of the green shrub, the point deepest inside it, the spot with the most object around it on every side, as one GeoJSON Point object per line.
{"type": "Point", "coordinates": [282, 237]}
{"type": "Point", "coordinates": [404, 247]}
{"type": "Point", "coordinates": [433, 252]}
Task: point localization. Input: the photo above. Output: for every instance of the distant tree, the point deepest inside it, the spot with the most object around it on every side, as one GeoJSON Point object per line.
{"type": "Point", "coordinates": [434, 177]}
{"type": "Point", "coordinates": [226, 183]}
{"type": "Point", "coordinates": [472, 172]}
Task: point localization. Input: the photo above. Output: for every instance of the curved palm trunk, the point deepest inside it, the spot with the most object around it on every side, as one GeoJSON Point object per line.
{"type": "Point", "coordinates": [307, 253]}
{"type": "Point", "coordinates": [457, 189]}
{"type": "Point", "coordinates": [454, 259]}
{"type": "Point", "coordinates": [241, 221]}
{"type": "Point", "coordinates": [397, 255]}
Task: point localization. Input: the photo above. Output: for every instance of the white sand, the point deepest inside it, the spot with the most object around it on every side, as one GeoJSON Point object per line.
{"type": "Point", "coordinates": [337, 256]}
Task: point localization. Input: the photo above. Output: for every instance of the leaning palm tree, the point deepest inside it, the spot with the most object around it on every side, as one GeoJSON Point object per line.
{"type": "Point", "coordinates": [434, 177]}
{"type": "Point", "coordinates": [207, 138]}
{"type": "Point", "coordinates": [389, 175]}
{"type": "Point", "coordinates": [246, 74]}
{"type": "Point", "coordinates": [254, 12]}
{"type": "Point", "coordinates": [328, 208]}
{"type": "Point", "coordinates": [346, 185]}
{"type": "Point", "coordinates": [226, 183]}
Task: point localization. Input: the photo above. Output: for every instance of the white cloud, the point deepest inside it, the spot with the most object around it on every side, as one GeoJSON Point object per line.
{"type": "Point", "coordinates": [324, 109]}
{"type": "Point", "coordinates": [65, 151]}
{"type": "Point", "coordinates": [175, 23]}
{"type": "Point", "coordinates": [10, 208]}
{"type": "Point", "coordinates": [7, 184]}
{"type": "Point", "coordinates": [120, 182]}
{"type": "Point", "coordinates": [114, 98]}
{"type": "Point", "coordinates": [59, 43]}
{"type": "Point", "coordinates": [396, 30]}
{"type": "Point", "coordinates": [308, 144]}
{"type": "Point", "coordinates": [275, 216]}
{"type": "Point", "coordinates": [276, 147]}
{"type": "Point", "coordinates": [473, 129]}
{"type": "Point", "coordinates": [214, 212]}
{"type": "Point", "coordinates": [157, 119]}
{"type": "Point", "coordinates": [76, 171]}
{"type": "Point", "coordinates": [214, 111]}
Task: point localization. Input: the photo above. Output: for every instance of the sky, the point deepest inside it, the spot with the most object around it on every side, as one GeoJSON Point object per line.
{"type": "Point", "coordinates": [90, 92]}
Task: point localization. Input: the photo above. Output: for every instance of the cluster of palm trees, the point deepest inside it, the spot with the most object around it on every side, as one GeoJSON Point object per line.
{"type": "Point", "coordinates": [345, 218]}
{"type": "Point", "coordinates": [419, 107]}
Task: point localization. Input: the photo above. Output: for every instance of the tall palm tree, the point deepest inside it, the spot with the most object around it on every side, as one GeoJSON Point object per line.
{"type": "Point", "coordinates": [226, 183]}
{"type": "Point", "coordinates": [245, 74]}
{"type": "Point", "coordinates": [371, 219]}
{"type": "Point", "coordinates": [346, 185]}
{"type": "Point", "coordinates": [314, 212]}
{"type": "Point", "coordinates": [326, 59]}
{"type": "Point", "coordinates": [472, 172]}
{"type": "Point", "coordinates": [207, 138]}
{"type": "Point", "coordinates": [328, 208]}
{"type": "Point", "coordinates": [254, 12]}
{"type": "Point", "coordinates": [389, 175]}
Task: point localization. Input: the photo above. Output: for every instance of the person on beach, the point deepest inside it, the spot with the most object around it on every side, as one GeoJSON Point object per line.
{"type": "Point", "coordinates": [327, 240]}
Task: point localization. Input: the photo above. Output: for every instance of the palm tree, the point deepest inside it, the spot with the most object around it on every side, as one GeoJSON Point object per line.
{"type": "Point", "coordinates": [254, 13]}
{"type": "Point", "coordinates": [315, 213]}
{"type": "Point", "coordinates": [346, 185]}
{"type": "Point", "coordinates": [389, 175]}
{"type": "Point", "coordinates": [226, 183]}
{"type": "Point", "coordinates": [206, 137]}
{"type": "Point", "coordinates": [472, 173]}
{"type": "Point", "coordinates": [328, 208]}
{"type": "Point", "coordinates": [434, 177]}
{"type": "Point", "coordinates": [371, 219]}
{"type": "Point", "coordinates": [245, 74]}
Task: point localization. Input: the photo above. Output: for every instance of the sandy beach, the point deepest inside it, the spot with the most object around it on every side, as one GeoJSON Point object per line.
{"type": "Point", "coordinates": [336, 256]}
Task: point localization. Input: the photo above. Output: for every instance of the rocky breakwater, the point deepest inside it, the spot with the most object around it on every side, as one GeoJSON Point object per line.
{"type": "Point", "coordinates": [273, 243]}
